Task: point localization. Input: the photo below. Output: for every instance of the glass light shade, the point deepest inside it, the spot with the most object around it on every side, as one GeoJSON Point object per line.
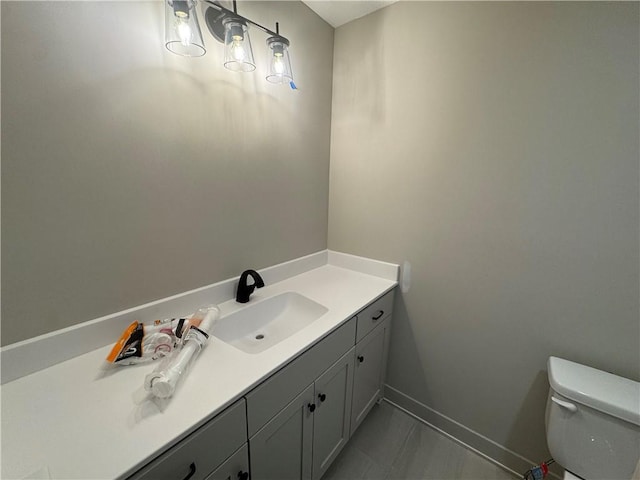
{"type": "Point", "coordinates": [238, 54]}
{"type": "Point", "coordinates": [279, 63]}
{"type": "Point", "coordinates": [182, 31]}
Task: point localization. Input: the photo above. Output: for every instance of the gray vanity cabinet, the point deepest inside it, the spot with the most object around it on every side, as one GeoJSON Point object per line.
{"type": "Point", "coordinates": [370, 357]}
{"type": "Point", "coordinates": [304, 438]}
{"type": "Point", "coordinates": [300, 439]}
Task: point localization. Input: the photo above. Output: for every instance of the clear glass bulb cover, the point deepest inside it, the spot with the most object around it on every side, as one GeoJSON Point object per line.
{"type": "Point", "coordinates": [181, 30]}
{"type": "Point", "coordinates": [238, 54]}
{"type": "Point", "coordinates": [279, 63]}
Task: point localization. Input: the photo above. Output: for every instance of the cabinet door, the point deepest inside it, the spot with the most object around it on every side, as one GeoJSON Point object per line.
{"type": "Point", "coordinates": [235, 468]}
{"type": "Point", "coordinates": [332, 417]}
{"type": "Point", "coordinates": [268, 398]}
{"type": "Point", "coordinates": [281, 450]}
{"type": "Point", "coordinates": [368, 374]}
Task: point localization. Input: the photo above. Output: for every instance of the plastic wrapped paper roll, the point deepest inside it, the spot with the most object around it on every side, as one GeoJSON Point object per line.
{"type": "Point", "coordinates": [162, 381]}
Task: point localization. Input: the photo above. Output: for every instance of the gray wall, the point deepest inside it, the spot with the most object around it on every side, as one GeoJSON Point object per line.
{"type": "Point", "coordinates": [495, 147]}
{"type": "Point", "coordinates": [130, 174]}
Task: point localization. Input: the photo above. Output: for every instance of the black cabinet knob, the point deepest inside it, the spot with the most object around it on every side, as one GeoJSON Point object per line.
{"type": "Point", "coordinates": [192, 471]}
{"type": "Point", "coordinates": [312, 407]}
{"type": "Point", "coordinates": [243, 475]}
{"type": "Point", "coordinates": [360, 358]}
{"type": "Point", "coordinates": [322, 397]}
{"type": "Point", "coordinates": [378, 316]}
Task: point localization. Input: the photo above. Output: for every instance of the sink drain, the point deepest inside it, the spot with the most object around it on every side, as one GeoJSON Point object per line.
{"type": "Point", "coordinates": [259, 336]}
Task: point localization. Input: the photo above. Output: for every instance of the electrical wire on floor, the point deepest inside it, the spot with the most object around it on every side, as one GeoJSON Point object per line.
{"type": "Point", "coordinates": [538, 472]}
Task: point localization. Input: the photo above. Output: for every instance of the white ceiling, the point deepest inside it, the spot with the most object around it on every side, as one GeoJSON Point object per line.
{"type": "Point", "coordinates": [339, 12]}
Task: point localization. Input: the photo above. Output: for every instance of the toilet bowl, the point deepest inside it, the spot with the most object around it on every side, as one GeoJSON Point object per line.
{"type": "Point", "coordinates": [592, 421]}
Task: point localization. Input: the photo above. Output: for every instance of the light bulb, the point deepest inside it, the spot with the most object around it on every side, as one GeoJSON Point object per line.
{"type": "Point", "coordinates": [183, 30]}
{"type": "Point", "coordinates": [237, 49]}
{"type": "Point", "coordinates": [278, 64]}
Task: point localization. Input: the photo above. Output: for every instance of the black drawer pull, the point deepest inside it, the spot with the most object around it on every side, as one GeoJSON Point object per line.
{"type": "Point", "coordinates": [322, 397]}
{"type": "Point", "coordinates": [192, 471]}
{"type": "Point", "coordinates": [243, 475]}
{"type": "Point", "coordinates": [312, 407]}
{"type": "Point", "coordinates": [360, 358]}
{"type": "Point", "coordinates": [377, 317]}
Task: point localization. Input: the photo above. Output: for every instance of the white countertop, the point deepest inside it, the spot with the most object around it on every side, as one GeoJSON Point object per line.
{"type": "Point", "coordinates": [72, 421]}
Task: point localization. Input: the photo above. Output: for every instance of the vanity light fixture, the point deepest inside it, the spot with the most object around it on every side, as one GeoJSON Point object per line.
{"type": "Point", "coordinates": [279, 63]}
{"type": "Point", "coordinates": [238, 54]}
{"type": "Point", "coordinates": [183, 37]}
{"type": "Point", "coordinates": [182, 31]}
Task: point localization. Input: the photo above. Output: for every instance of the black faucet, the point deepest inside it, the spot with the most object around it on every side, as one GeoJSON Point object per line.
{"type": "Point", "coordinates": [244, 290]}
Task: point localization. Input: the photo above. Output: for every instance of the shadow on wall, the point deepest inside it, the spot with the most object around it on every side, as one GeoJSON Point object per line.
{"type": "Point", "coordinates": [173, 114]}
{"type": "Point", "coordinates": [362, 76]}
{"type": "Point", "coordinates": [403, 351]}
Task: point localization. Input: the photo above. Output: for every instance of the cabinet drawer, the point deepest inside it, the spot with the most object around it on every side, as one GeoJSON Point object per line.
{"type": "Point", "coordinates": [235, 468]}
{"type": "Point", "coordinates": [267, 399]}
{"type": "Point", "coordinates": [202, 451]}
{"type": "Point", "coordinates": [374, 315]}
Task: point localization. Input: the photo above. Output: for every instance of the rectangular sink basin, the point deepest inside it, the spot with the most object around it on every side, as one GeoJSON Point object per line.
{"type": "Point", "coordinates": [260, 326]}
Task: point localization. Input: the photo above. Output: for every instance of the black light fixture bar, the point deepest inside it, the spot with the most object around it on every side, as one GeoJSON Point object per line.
{"type": "Point", "coordinates": [234, 13]}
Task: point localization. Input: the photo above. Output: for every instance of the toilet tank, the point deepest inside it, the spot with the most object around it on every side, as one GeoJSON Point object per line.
{"type": "Point", "coordinates": [592, 421]}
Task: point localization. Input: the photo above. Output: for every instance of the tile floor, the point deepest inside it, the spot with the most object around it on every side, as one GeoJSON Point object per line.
{"type": "Point", "coordinates": [391, 444]}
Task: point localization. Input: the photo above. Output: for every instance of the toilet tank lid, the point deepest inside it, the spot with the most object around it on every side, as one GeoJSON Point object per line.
{"type": "Point", "coordinates": [602, 391]}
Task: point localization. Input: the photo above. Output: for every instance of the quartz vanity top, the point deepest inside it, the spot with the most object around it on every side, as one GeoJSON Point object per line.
{"type": "Point", "coordinates": [74, 420]}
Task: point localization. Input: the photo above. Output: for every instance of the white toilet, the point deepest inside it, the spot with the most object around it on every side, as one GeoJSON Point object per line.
{"type": "Point", "coordinates": [592, 421]}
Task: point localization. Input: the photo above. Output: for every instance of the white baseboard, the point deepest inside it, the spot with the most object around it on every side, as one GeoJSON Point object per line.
{"type": "Point", "coordinates": [494, 452]}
